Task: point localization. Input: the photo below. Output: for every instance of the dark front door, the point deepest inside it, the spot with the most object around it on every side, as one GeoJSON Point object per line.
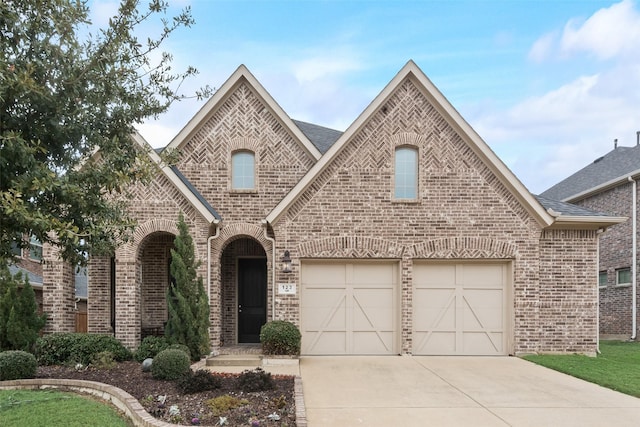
{"type": "Point", "coordinates": [252, 298]}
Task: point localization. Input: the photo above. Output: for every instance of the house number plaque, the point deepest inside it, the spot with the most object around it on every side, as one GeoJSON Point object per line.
{"type": "Point", "coordinates": [286, 288]}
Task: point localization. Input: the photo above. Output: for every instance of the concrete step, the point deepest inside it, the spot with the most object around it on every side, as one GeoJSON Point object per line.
{"type": "Point", "coordinates": [235, 360]}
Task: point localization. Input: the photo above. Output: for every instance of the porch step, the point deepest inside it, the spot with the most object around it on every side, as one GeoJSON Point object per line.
{"type": "Point", "coordinates": [235, 360]}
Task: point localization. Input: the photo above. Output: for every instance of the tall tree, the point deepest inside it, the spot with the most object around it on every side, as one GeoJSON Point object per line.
{"type": "Point", "coordinates": [68, 90]}
{"type": "Point", "coordinates": [187, 300]}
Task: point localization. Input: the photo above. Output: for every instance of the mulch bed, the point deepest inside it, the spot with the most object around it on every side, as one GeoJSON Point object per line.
{"type": "Point", "coordinates": [129, 377]}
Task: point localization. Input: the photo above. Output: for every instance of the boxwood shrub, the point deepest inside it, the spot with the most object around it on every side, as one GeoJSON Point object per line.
{"type": "Point", "coordinates": [170, 364]}
{"type": "Point", "coordinates": [280, 337]}
{"type": "Point", "coordinates": [67, 348]}
{"type": "Point", "coordinates": [150, 346]}
{"type": "Point", "coordinates": [16, 364]}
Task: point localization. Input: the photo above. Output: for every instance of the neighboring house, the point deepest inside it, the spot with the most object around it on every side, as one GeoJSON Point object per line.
{"type": "Point", "coordinates": [609, 184]}
{"type": "Point", "coordinates": [29, 263]}
{"type": "Point", "coordinates": [403, 235]}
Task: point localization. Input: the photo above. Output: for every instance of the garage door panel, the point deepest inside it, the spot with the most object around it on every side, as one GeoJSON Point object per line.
{"type": "Point", "coordinates": [369, 342]}
{"type": "Point", "coordinates": [354, 305]}
{"type": "Point", "coordinates": [460, 308]}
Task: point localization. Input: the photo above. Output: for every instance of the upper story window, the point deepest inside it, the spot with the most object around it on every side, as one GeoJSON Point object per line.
{"type": "Point", "coordinates": [623, 276]}
{"type": "Point", "coordinates": [243, 170]}
{"type": "Point", "coordinates": [406, 173]}
{"type": "Point", "coordinates": [35, 248]}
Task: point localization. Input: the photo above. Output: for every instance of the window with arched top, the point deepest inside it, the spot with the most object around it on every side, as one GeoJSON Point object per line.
{"type": "Point", "coordinates": [243, 170]}
{"type": "Point", "coordinates": [406, 173]}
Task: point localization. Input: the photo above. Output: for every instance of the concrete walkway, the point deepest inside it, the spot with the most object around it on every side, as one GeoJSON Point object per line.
{"type": "Point", "coordinates": [454, 391]}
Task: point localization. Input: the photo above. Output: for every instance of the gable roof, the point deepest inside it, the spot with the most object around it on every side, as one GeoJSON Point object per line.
{"type": "Point", "coordinates": [411, 70]}
{"type": "Point", "coordinates": [181, 183]}
{"type": "Point", "coordinates": [322, 137]}
{"type": "Point", "coordinates": [605, 172]}
{"type": "Point", "coordinates": [242, 74]}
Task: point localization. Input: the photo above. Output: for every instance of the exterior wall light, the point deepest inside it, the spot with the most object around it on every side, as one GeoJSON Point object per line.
{"type": "Point", "coordinates": [286, 262]}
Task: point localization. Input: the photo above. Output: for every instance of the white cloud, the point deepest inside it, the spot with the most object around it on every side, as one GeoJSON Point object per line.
{"type": "Point", "coordinates": [608, 33]}
{"type": "Point", "coordinates": [543, 47]}
{"type": "Point", "coordinates": [319, 67]}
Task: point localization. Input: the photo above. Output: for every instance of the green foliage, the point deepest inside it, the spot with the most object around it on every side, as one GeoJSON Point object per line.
{"type": "Point", "coordinates": [17, 364]}
{"type": "Point", "coordinates": [66, 348]}
{"type": "Point", "coordinates": [53, 408]}
{"type": "Point", "coordinates": [198, 381]}
{"type": "Point", "coordinates": [150, 346]}
{"type": "Point", "coordinates": [616, 367]}
{"type": "Point", "coordinates": [187, 300]}
{"type": "Point", "coordinates": [222, 404]}
{"type": "Point", "coordinates": [255, 380]}
{"type": "Point", "coordinates": [68, 89]}
{"type": "Point", "coordinates": [170, 364]}
{"type": "Point", "coordinates": [103, 360]}
{"type": "Point", "coordinates": [20, 322]}
{"type": "Point", "coordinates": [280, 337]}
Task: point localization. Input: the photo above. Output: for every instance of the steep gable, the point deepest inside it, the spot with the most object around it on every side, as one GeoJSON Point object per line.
{"type": "Point", "coordinates": [411, 107]}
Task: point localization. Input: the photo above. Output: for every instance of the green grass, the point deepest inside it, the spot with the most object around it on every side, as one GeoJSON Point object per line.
{"type": "Point", "coordinates": [617, 367]}
{"type": "Point", "coordinates": [27, 408]}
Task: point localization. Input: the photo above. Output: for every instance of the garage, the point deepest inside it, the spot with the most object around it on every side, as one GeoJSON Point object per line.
{"type": "Point", "coordinates": [461, 308]}
{"type": "Point", "coordinates": [349, 307]}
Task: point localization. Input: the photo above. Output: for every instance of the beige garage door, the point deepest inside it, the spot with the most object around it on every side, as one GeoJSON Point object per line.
{"type": "Point", "coordinates": [460, 308]}
{"type": "Point", "coordinates": [349, 307]}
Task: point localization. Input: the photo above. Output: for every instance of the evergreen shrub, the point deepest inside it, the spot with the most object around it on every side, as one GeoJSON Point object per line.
{"type": "Point", "coordinates": [170, 364]}
{"type": "Point", "coordinates": [69, 348]}
{"type": "Point", "coordinates": [17, 364]}
{"type": "Point", "coordinates": [280, 337]}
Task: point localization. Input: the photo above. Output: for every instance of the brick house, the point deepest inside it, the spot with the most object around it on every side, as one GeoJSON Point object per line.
{"type": "Point", "coordinates": [609, 184]}
{"type": "Point", "coordinates": [403, 235]}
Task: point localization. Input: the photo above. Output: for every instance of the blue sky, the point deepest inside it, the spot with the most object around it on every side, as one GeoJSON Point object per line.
{"type": "Point", "coordinates": [547, 84]}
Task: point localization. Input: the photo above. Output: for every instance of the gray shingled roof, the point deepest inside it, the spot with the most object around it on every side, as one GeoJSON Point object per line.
{"type": "Point", "coordinates": [34, 279]}
{"type": "Point", "coordinates": [323, 138]}
{"type": "Point", "coordinates": [567, 209]}
{"type": "Point", "coordinates": [196, 193]}
{"type": "Point", "coordinates": [618, 163]}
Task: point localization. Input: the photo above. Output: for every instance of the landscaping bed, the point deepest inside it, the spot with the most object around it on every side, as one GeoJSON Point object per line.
{"type": "Point", "coordinates": [274, 407]}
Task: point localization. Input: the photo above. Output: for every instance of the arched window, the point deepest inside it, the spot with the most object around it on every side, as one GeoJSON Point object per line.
{"type": "Point", "coordinates": [406, 173]}
{"type": "Point", "coordinates": [243, 170]}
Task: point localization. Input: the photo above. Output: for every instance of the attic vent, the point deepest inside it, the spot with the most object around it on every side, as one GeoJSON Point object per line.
{"type": "Point", "coordinates": [598, 159]}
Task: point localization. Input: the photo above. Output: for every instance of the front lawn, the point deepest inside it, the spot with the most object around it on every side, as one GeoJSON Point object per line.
{"type": "Point", "coordinates": [617, 366]}
{"type": "Point", "coordinates": [26, 408]}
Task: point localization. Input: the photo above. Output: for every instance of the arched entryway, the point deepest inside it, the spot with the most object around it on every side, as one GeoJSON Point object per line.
{"type": "Point", "coordinates": [244, 276]}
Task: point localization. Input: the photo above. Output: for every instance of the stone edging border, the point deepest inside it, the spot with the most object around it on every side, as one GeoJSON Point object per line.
{"type": "Point", "coordinates": [124, 401]}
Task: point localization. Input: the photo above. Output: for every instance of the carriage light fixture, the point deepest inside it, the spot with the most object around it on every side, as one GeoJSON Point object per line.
{"type": "Point", "coordinates": [286, 262]}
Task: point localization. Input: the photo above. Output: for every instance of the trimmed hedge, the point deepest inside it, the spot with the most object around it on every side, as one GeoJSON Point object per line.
{"type": "Point", "coordinates": [170, 364]}
{"type": "Point", "coordinates": [66, 348]}
{"type": "Point", "coordinates": [150, 346]}
{"type": "Point", "coordinates": [16, 365]}
{"type": "Point", "coordinates": [280, 337]}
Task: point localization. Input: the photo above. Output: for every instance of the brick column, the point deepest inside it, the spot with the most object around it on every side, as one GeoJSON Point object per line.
{"type": "Point", "coordinates": [99, 296]}
{"type": "Point", "coordinates": [127, 303]}
{"type": "Point", "coordinates": [58, 291]}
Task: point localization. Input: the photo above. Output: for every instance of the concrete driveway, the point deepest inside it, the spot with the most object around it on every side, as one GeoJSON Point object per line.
{"type": "Point", "coordinates": [454, 391]}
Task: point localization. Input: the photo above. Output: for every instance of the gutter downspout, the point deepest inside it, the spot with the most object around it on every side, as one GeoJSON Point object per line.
{"type": "Point", "coordinates": [209, 240]}
{"type": "Point", "coordinates": [634, 258]}
{"type": "Point", "coordinates": [598, 234]}
{"type": "Point", "coordinates": [265, 224]}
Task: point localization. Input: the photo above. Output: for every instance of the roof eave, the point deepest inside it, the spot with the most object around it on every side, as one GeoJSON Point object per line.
{"type": "Point", "coordinates": [570, 222]}
{"type": "Point", "coordinates": [603, 187]}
